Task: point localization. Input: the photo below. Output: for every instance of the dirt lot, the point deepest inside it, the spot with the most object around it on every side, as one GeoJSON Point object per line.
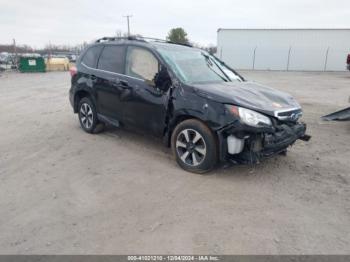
{"type": "Point", "coordinates": [63, 191]}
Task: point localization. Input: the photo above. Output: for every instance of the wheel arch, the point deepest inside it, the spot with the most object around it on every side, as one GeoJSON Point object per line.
{"type": "Point", "coordinates": [78, 96]}
{"type": "Point", "coordinates": [180, 118]}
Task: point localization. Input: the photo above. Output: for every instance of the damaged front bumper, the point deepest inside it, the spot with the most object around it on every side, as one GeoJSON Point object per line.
{"type": "Point", "coordinates": [241, 144]}
{"type": "Point", "coordinates": [284, 137]}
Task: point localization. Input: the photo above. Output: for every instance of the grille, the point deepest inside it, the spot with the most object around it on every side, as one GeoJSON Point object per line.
{"type": "Point", "coordinates": [291, 115]}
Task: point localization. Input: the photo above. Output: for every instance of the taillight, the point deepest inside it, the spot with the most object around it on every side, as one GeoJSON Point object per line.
{"type": "Point", "coordinates": [348, 60]}
{"type": "Point", "coordinates": [73, 71]}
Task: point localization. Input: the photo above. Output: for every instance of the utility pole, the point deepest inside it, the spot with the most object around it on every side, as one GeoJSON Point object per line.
{"type": "Point", "coordinates": [15, 51]}
{"type": "Point", "coordinates": [50, 50]}
{"type": "Point", "coordinates": [127, 18]}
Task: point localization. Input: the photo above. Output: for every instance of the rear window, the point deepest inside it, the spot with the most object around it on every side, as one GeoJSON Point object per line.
{"type": "Point", "coordinates": [112, 59]}
{"type": "Point", "coordinates": [91, 56]}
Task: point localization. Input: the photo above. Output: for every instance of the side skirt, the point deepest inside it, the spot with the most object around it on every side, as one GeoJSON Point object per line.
{"type": "Point", "coordinates": [108, 120]}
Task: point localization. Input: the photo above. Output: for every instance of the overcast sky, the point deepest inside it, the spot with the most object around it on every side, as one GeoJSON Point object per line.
{"type": "Point", "coordinates": [38, 22]}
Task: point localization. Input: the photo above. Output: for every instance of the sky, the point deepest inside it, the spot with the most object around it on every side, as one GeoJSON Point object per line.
{"type": "Point", "coordinates": [39, 22]}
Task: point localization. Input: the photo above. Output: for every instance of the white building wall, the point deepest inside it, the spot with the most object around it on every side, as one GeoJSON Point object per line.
{"type": "Point", "coordinates": [282, 49]}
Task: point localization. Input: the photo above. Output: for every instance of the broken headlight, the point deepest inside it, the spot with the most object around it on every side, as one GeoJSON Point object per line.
{"type": "Point", "coordinates": [249, 117]}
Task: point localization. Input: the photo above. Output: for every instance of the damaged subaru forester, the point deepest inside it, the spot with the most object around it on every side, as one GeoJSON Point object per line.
{"type": "Point", "coordinates": [201, 108]}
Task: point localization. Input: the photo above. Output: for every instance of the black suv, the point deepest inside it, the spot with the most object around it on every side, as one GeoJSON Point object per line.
{"type": "Point", "coordinates": [201, 107]}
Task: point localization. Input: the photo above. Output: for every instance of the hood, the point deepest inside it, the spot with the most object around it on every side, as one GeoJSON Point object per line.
{"type": "Point", "coordinates": [249, 95]}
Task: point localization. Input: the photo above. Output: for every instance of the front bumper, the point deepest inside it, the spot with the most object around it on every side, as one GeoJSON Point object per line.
{"type": "Point", "coordinates": [258, 145]}
{"type": "Point", "coordinates": [284, 137]}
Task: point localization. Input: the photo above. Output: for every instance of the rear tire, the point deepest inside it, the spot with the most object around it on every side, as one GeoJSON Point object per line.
{"type": "Point", "coordinates": [88, 117]}
{"type": "Point", "coordinates": [194, 146]}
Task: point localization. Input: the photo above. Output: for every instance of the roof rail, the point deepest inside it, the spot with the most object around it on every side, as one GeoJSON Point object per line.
{"type": "Point", "coordinates": [115, 38]}
{"type": "Point", "coordinates": [165, 41]}
{"type": "Point", "coordinates": [155, 39]}
{"type": "Point", "coordinates": [138, 38]}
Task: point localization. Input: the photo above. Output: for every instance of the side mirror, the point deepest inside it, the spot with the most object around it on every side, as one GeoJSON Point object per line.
{"type": "Point", "coordinates": [150, 83]}
{"type": "Point", "coordinates": [162, 80]}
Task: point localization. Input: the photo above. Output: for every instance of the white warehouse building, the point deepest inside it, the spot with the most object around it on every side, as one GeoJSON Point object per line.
{"type": "Point", "coordinates": [284, 49]}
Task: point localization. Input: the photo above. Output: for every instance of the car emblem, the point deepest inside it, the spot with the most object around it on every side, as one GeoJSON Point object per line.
{"type": "Point", "coordinates": [294, 116]}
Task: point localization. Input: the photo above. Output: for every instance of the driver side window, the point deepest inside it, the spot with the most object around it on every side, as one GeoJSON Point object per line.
{"type": "Point", "coordinates": [141, 63]}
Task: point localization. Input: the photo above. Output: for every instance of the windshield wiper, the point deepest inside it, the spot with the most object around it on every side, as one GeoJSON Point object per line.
{"type": "Point", "coordinates": [210, 65]}
{"type": "Point", "coordinates": [228, 67]}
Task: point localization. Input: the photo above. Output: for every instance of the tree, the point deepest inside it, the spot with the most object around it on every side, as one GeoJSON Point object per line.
{"type": "Point", "coordinates": [119, 33]}
{"type": "Point", "coordinates": [212, 49]}
{"type": "Point", "coordinates": [177, 35]}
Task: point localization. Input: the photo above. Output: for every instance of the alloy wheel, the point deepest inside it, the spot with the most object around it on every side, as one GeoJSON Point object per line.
{"type": "Point", "coordinates": [191, 147]}
{"type": "Point", "coordinates": [86, 115]}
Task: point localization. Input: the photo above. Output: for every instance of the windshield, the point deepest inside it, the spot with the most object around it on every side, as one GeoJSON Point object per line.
{"type": "Point", "coordinates": [194, 66]}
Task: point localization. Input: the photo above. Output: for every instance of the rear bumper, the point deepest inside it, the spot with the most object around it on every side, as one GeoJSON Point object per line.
{"type": "Point", "coordinates": [71, 97]}
{"type": "Point", "coordinates": [259, 145]}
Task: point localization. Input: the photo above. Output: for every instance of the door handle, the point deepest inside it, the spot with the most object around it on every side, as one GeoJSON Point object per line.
{"type": "Point", "coordinates": [120, 84]}
{"type": "Point", "coordinates": [124, 84]}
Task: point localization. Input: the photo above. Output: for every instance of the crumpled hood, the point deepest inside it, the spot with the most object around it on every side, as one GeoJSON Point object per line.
{"type": "Point", "coordinates": [249, 95]}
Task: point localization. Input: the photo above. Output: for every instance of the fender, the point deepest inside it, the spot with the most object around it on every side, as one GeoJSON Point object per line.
{"type": "Point", "coordinates": [78, 93]}
{"type": "Point", "coordinates": [185, 104]}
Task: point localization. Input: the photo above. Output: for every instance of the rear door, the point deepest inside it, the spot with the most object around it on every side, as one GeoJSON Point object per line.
{"type": "Point", "coordinates": [109, 74]}
{"type": "Point", "coordinates": [144, 106]}
{"type": "Point", "coordinates": [86, 70]}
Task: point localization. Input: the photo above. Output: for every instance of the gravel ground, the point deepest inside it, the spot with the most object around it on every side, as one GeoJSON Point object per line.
{"type": "Point", "coordinates": [63, 191]}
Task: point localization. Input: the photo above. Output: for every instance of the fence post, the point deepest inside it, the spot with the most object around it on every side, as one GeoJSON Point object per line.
{"type": "Point", "coordinates": [326, 60]}
{"type": "Point", "coordinates": [254, 57]}
{"type": "Point", "coordinates": [288, 59]}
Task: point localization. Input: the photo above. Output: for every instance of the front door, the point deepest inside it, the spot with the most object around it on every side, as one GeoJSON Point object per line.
{"type": "Point", "coordinates": [144, 105]}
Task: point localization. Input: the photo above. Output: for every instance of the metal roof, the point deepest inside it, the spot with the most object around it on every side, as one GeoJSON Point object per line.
{"type": "Point", "coordinates": [220, 29]}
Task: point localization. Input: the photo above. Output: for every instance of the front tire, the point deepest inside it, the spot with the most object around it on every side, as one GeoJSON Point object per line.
{"type": "Point", "coordinates": [88, 116]}
{"type": "Point", "coordinates": [194, 146]}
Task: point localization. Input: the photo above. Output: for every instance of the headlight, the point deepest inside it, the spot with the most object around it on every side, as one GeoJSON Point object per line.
{"type": "Point", "coordinates": [249, 117]}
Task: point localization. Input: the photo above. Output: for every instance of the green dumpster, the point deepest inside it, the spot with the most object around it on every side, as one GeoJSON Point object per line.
{"type": "Point", "coordinates": [31, 64]}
